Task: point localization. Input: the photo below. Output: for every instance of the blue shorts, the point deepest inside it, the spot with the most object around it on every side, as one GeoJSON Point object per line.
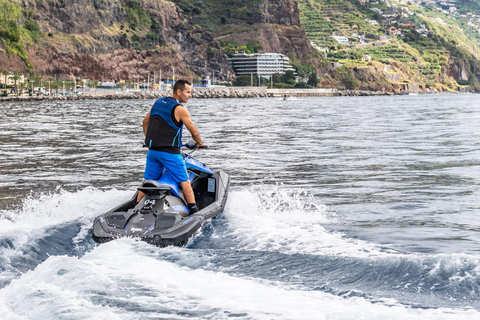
{"type": "Point", "coordinates": [157, 161]}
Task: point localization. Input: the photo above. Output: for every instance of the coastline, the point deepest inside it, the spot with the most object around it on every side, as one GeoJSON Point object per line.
{"type": "Point", "coordinates": [223, 92]}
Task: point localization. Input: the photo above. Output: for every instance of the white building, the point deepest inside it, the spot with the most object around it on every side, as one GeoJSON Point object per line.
{"type": "Point", "coordinates": [366, 57]}
{"type": "Point", "coordinates": [341, 39]}
{"type": "Point", "coordinates": [263, 64]}
{"type": "Point", "coordinates": [10, 81]}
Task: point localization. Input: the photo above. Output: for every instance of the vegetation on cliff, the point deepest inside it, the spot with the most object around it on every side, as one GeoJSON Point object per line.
{"type": "Point", "coordinates": [385, 44]}
{"type": "Point", "coordinates": [432, 47]}
{"type": "Point", "coordinates": [14, 35]}
{"type": "Point", "coordinates": [106, 39]}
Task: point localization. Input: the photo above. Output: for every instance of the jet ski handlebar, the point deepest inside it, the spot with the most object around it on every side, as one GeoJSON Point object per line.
{"type": "Point", "coordinates": [189, 145]}
{"type": "Point", "coordinates": [192, 146]}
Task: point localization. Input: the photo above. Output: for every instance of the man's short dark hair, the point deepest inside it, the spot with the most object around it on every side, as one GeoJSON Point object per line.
{"type": "Point", "coordinates": [180, 84]}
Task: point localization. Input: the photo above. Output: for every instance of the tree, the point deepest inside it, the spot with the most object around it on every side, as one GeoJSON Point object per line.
{"type": "Point", "coordinates": [313, 80]}
{"type": "Point", "coordinates": [276, 77]}
{"type": "Point", "coordinates": [15, 77]}
{"type": "Point", "coordinates": [122, 85]}
{"type": "Point", "coordinates": [92, 84]}
{"type": "Point", "coordinates": [289, 76]}
{"type": "Point", "coordinates": [151, 36]}
{"type": "Point", "coordinates": [55, 85]}
{"type": "Point", "coordinates": [347, 78]}
{"type": "Point", "coordinates": [302, 84]}
{"type": "Point", "coordinates": [245, 80]}
{"type": "Point", "coordinates": [10, 11]}
{"type": "Point", "coordinates": [36, 77]}
{"type": "Point", "coordinates": [22, 86]}
{"type": "Point", "coordinates": [291, 82]}
{"type": "Point", "coordinates": [69, 84]}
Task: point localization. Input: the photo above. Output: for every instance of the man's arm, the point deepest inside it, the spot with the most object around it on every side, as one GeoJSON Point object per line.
{"type": "Point", "coordinates": [181, 114]}
{"type": "Point", "coordinates": [146, 120]}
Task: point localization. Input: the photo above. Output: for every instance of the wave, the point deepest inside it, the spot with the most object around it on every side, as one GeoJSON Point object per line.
{"type": "Point", "coordinates": [289, 221]}
{"type": "Point", "coordinates": [284, 230]}
{"type": "Point", "coordinates": [267, 254]}
{"type": "Point", "coordinates": [122, 280]}
{"type": "Point", "coordinates": [46, 224]}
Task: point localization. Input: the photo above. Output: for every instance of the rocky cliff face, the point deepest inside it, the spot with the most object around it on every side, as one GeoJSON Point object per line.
{"type": "Point", "coordinates": [457, 71]}
{"type": "Point", "coordinates": [77, 16]}
{"type": "Point", "coordinates": [129, 39]}
{"type": "Point", "coordinates": [274, 24]}
{"type": "Point", "coordinates": [97, 39]}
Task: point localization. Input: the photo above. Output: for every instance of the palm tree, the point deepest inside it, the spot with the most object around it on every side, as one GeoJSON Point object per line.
{"type": "Point", "coordinates": [122, 86]}
{"type": "Point", "coordinates": [69, 84]}
{"type": "Point", "coordinates": [94, 85]}
{"type": "Point", "coordinates": [90, 84]}
{"type": "Point", "coordinates": [22, 86]}
{"type": "Point", "coordinates": [16, 76]}
{"type": "Point", "coordinates": [55, 85]}
{"type": "Point", "coordinates": [129, 83]}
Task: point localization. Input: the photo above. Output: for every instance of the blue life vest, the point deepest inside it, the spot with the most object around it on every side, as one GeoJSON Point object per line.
{"type": "Point", "coordinates": [164, 133]}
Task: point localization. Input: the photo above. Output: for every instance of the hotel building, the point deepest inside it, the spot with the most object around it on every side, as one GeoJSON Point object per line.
{"type": "Point", "coordinates": [262, 64]}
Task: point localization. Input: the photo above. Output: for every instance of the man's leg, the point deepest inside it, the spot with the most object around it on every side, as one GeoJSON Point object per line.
{"type": "Point", "coordinates": [189, 196]}
{"type": "Point", "coordinates": [177, 171]}
{"type": "Point", "coordinates": [153, 170]}
{"type": "Point", "coordinates": [140, 196]}
{"type": "Point", "coordinates": [187, 191]}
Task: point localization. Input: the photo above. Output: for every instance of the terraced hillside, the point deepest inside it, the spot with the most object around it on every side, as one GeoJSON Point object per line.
{"type": "Point", "coordinates": [323, 19]}
{"type": "Point", "coordinates": [431, 48]}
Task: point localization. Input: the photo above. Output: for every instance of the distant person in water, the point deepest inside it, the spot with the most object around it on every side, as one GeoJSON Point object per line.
{"type": "Point", "coordinates": [163, 127]}
{"type": "Point", "coordinates": [285, 97]}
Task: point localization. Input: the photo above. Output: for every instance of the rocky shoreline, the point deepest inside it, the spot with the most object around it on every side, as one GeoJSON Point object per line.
{"type": "Point", "coordinates": [116, 96]}
{"type": "Point", "coordinates": [363, 93]}
{"type": "Point", "coordinates": [203, 94]}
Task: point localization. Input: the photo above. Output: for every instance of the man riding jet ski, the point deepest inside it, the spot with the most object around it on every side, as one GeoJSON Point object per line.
{"type": "Point", "coordinates": [165, 170]}
{"type": "Point", "coordinates": [162, 217]}
{"type": "Point", "coordinates": [163, 127]}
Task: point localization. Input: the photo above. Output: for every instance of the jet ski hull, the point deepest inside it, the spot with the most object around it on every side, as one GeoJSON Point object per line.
{"type": "Point", "coordinates": [161, 217]}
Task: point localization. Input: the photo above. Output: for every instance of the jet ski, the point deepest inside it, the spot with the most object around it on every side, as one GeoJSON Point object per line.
{"type": "Point", "coordinates": [162, 217]}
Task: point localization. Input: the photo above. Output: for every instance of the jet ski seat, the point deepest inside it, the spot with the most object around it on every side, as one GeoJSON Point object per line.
{"type": "Point", "coordinates": [152, 187]}
{"type": "Point", "coordinates": [166, 181]}
{"type": "Point", "coordinates": [164, 184]}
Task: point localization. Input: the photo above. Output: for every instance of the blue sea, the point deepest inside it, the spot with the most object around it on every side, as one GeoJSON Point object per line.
{"type": "Point", "coordinates": [339, 208]}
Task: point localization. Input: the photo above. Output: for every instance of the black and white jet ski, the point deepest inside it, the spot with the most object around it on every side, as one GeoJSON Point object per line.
{"type": "Point", "coordinates": [162, 217]}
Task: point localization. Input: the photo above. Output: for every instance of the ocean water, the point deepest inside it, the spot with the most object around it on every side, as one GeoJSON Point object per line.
{"type": "Point", "coordinates": [339, 208]}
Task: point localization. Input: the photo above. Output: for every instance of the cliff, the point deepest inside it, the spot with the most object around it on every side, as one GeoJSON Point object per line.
{"type": "Point", "coordinates": [128, 39]}
{"type": "Point", "coordinates": [256, 26]}
{"type": "Point", "coordinates": [109, 39]}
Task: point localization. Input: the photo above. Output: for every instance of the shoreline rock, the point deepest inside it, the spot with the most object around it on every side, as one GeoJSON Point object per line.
{"type": "Point", "coordinates": [211, 93]}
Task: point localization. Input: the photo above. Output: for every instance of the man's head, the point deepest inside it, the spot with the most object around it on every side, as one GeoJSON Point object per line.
{"type": "Point", "coordinates": [182, 91]}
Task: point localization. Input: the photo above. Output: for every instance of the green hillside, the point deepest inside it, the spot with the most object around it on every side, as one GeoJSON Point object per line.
{"type": "Point", "coordinates": [11, 34]}
{"type": "Point", "coordinates": [430, 43]}
{"type": "Point", "coordinates": [323, 18]}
